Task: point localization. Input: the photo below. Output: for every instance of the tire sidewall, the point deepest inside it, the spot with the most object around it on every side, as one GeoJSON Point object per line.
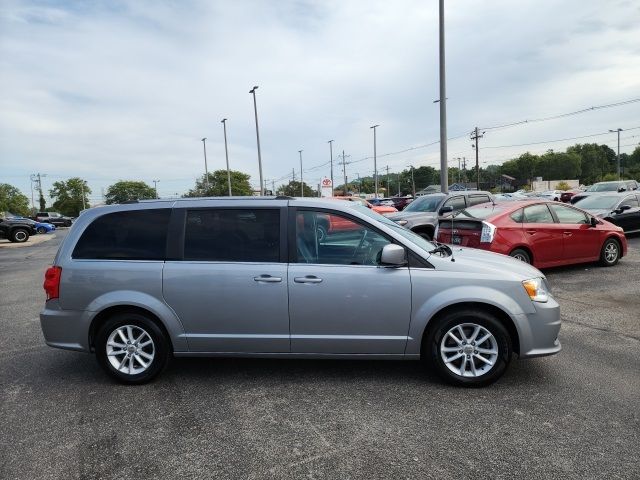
{"type": "Point", "coordinates": [603, 257]}
{"type": "Point", "coordinates": [161, 344]}
{"type": "Point", "coordinates": [523, 253]}
{"type": "Point", "coordinates": [41, 230]}
{"type": "Point", "coordinates": [16, 232]}
{"type": "Point", "coordinates": [486, 320]}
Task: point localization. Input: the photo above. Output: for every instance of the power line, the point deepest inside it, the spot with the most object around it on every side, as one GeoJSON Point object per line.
{"type": "Point", "coordinates": [557, 140]}
{"type": "Point", "coordinates": [562, 115]}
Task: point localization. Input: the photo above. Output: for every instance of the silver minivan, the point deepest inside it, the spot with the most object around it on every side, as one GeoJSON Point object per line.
{"type": "Point", "coordinates": [251, 277]}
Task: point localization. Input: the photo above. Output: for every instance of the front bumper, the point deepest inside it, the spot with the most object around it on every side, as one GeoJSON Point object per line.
{"type": "Point", "coordinates": [539, 331]}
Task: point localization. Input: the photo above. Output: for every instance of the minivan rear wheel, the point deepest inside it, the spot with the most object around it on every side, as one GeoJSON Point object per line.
{"type": "Point", "coordinates": [469, 348]}
{"type": "Point", "coordinates": [131, 348]}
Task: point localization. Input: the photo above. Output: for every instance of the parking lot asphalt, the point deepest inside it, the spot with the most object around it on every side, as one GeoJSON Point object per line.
{"type": "Point", "coordinates": [574, 415]}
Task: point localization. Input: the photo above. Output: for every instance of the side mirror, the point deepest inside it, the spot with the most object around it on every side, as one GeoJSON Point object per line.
{"type": "Point", "coordinates": [594, 222]}
{"type": "Point", "coordinates": [447, 209]}
{"type": "Point", "coordinates": [622, 189]}
{"type": "Point", "coordinates": [623, 208]}
{"type": "Point", "coordinates": [393, 256]}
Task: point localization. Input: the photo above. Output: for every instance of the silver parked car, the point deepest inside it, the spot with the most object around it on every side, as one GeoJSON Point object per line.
{"type": "Point", "coordinates": [140, 282]}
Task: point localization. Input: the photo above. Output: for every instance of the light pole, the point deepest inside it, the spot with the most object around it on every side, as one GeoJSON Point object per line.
{"type": "Point", "coordinates": [155, 187]}
{"type": "Point", "coordinates": [375, 161]}
{"type": "Point", "coordinates": [226, 153]}
{"type": "Point", "coordinates": [255, 110]}
{"type": "Point", "coordinates": [444, 180]}
{"type": "Point", "coordinates": [618, 130]}
{"type": "Point", "coordinates": [206, 170]}
{"type": "Point", "coordinates": [301, 184]}
{"type": "Point", "coordinates": [330, 142]}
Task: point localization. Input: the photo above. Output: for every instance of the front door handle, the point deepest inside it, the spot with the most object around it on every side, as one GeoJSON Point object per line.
{"type": "Point", "coordinates": [267, 279]}
{"type": "Point", "coordinates": [568, 234]}
{"type": "Point", "coordinates": [531, 232]}
{"type": "Point", "coordinates": [307, 279]}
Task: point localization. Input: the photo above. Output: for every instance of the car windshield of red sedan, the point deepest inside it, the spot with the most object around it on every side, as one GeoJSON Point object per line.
{"type": "Point", "coordinates": [599, 202]}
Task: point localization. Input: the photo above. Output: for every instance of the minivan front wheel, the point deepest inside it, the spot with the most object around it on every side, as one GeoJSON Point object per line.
{"type": "Point", "coordinates": [469, 348]}
{"type": "Point", "coordinates": [131, 348]}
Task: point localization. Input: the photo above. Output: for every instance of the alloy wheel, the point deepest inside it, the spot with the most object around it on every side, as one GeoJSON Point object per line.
{"type": "Point", "coordinates": [130, 349]}
{"type": "Point", "coordinates": [469, 350]}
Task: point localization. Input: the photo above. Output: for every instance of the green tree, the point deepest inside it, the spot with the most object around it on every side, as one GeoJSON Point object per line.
{"type": "Point", "coordinates": [219, 187]}
{"type": "Point", "coordinates": [70, 197]}
{"type": "Point", "coordinates": [293, 189]}
{"type": "Point", "coordinates": [595, 161]}
{"type": "Point", "coordinates": [12, 200]}
{"type": "Point", "coordinates": [126, 190]}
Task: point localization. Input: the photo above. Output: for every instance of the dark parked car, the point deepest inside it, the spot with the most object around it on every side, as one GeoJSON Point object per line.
{"type": "Point", "coordinates": [617, 186]}
{"type": "Point", "coordinates": [54, 218]}
{"type": "Point", "coordinates": [622, 209]}
{"type": "Point", "coordinates": [17, 230]}
{"type": "Point", "coordinates": [421, 215]}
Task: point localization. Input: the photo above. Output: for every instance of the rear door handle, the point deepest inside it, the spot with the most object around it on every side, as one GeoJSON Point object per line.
{"type": "Point", "coordinates": [531, 232]}
{"type": "Point", "coordinates": [568, 234]}
{"type": "Point", "coordinates": [267, 279]}
{"type": "Point", "coordinates": [307, 279]}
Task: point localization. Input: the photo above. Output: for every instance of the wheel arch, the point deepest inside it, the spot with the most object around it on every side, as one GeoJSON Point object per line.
{"type": "Point", "coordinates": [108, 312]}
{"type": "Point", "coordinates": [497, 312]}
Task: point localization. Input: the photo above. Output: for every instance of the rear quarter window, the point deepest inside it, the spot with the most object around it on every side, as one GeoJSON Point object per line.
{"type": "Point", "coordinates": [131, 235]}
{"type": "Point", "coordinates": [517, 216]}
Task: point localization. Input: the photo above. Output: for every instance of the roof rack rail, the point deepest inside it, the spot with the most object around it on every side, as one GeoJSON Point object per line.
{"type": "Point", "coordinates": [129, 201]}
{"type": "Point", "coordinates": [284, 197]}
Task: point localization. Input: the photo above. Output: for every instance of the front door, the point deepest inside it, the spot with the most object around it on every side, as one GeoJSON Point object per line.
{"type": "Point", "coordinates": [580, 240]}
{"type": "Point", "coordinates": [340, 299]}
{"type": "Point", "coordinates": [230, 288]}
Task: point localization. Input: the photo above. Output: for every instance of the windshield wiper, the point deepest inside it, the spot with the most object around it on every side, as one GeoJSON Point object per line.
{"type": "Point", "coordinates": [441, 248]}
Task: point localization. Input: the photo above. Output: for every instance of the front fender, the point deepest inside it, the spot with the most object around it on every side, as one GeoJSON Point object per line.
{"type": "Point", "coordinates": [424, 311]}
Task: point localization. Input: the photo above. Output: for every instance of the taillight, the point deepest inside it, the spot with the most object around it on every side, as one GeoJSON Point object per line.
{"type": "Point", "coordinates": [52, 282]}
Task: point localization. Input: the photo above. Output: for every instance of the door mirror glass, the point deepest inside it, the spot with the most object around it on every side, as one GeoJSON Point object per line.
{"type": "Point", "coordinates": [393, 255]}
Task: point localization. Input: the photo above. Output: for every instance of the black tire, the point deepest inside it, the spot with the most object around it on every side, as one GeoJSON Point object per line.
{"type": "Point", "coordinates": [139, 322]}
{"type": "Point", "coordinates": [427, 235]}
{"type": "Point", "coordinates": [67, 223]}
{"type": "Point", "coordinates": [486, 374]}
{"type": "Point", "coordinates": [610, 252]}
{"type": "Point", "coordinates": [41, 230]}
{"type": "Point", "coordinates": [522, 255]}
{"type": "Point", "coordinates": [19, 235]}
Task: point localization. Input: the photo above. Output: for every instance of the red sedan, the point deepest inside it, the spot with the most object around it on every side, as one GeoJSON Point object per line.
{"type": "Point", "coordinates": [544, 234]}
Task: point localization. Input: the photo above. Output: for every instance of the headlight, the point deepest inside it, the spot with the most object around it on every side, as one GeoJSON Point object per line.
{"type": "Point", "coordinates": [488, 231]}
{"type": "Point", "coordinates": [402, 223]}
{"type": "Point", "coordinates": [536, 289]}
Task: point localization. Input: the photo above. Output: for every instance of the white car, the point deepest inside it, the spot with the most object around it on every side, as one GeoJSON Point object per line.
{"type": "Point", "coordinates": [551, 195]}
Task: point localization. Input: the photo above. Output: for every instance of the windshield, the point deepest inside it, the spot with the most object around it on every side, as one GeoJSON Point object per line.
{"type": "Point", "coordinates": [414, 238]}
{"type": "Point", "coordinates": [428, 203]}
{"type": "Point", "coordinates": [599, 202]}
{"type": "Point", "coordinates": [480, 212]}
{"type": "Point", "coordinates": [603, 187]}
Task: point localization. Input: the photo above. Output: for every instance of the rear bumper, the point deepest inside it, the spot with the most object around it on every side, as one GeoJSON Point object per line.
{"type": "Point", "coordinates": [539, 331]}
{"type": "Point", "coordinates": [66, 329]}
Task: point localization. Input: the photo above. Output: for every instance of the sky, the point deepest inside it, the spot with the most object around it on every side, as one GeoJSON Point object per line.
{"type": "Point", "coordinates": [116, 90]}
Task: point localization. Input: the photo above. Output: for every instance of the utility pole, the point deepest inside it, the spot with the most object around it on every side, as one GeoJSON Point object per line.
{"type": "Point", "coordinates": [413, 182]}
{"type": "Point", "coordinates": [301, 183]}
{"type": "Point", "coordinates": [375, 161]}
{"type": "Point", "coordinates": [293, 174]}
{"type": "Point", "coordinates": [444, 180]}
{"type": "Point", "coordinates": [273, 187]}
{"type": "Point", "coordinates": [618, 130]}
{"type": "Point", "coordinates": [206, 171]}
{"type": "Point", "coordinates": [43, 203]}
{"type": "Point", "coordinates": [359, 184]}
{"type": "Point", "coordinates": [388, 183]}
{"type": "Point", "coordinates": [399, 189]}
{"type": "Point", "coordinates": [344, 170]}
{"type": "Point", "coordinates": [155, 186]}
{"type": "Point", "coordinates": [226, 153]}
{"type": "Point", "coordinates": [33, 203]}
{"type": "Point", "coordinates": [475, 135]}
{"type": "Point", "coordinates": [330, 142]}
